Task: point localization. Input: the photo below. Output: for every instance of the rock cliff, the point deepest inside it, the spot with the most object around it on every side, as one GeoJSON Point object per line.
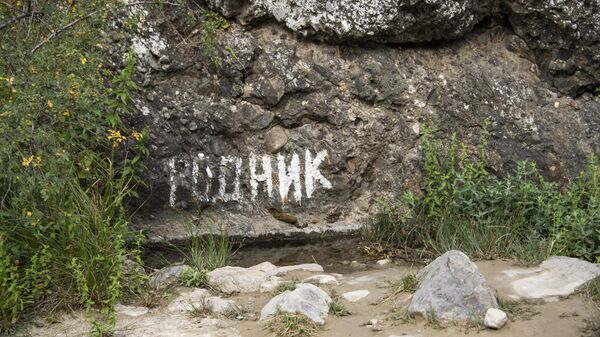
{"type": "Point", "coordinates": [304, 111]}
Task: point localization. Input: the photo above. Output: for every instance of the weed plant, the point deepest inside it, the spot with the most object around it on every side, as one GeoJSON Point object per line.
{"type": "Point", "coordinates": [68, 163]}
{"type": "Point", "coordinates": [463, 206]}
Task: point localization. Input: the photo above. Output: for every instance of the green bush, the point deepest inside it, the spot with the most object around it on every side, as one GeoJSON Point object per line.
{"type": "Point", "coordinates": [463, 206]}
{"type": "Point", "coordinates": [67, 161]}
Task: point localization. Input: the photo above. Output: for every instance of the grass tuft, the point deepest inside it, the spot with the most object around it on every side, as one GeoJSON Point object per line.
{"type": "Point", "coordinates": [292, 325]}
{"type": "Point", "coordinates": [336, 307]}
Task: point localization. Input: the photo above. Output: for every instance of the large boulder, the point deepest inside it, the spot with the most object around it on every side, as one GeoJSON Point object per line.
{"type": "Point", "coordinates": [307, 299]}
{"type": "Point", "coordinates": [261, 277]}
{"type": "Point", "coordinates": [453, 288]}
{"type": "Point", "coordinates": [555, 277]}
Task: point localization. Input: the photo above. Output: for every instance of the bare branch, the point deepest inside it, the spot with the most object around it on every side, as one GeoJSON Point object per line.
{"type": "Point", "coordinates": [73, 23]}
{"type": "Point", "coordinates": [17, 18]}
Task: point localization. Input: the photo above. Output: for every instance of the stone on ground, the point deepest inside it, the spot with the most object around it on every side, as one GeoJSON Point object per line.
{"type": "Point", "coordinates": [261, 277]}
{"type": "Point", "coordinates": [495, 318]}
{"type": "Point", "coordinates": [355, 296]}
{"type": "Point", "coordinates": [307, 299]}
{"type": "Point", "coordinates": [322, 279]}
{"type": "Point", "coordinates": [189, 300]}
{"type": "Point", "coordinates": [220, 305]}
{"type": "Point", "coordinates": [167, 277]}
{"type": "Point", "coordinates": [236, 279]}
{"type": "Point", "coordinates": [556, 276]}
{"type": "Point", "coordinates": [453, 288]}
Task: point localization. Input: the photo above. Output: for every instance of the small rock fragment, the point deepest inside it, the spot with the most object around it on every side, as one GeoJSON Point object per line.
{"type": "Point", "coordinates": [321, 279]}
{"type": "Point", "coordinates": [355, 296]}
{"type": "Point", "coordinates": [495, 318]}
{"type": "Point", "coordinates": [383, 262]}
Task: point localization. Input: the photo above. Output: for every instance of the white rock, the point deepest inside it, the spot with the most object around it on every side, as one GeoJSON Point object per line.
{"type": "Point", "coordinates": [271, 284]}
{"type": "Point", "coordinates": [307, 299]}
{"type": "Point", "coordinates": [355, 296]}
{"type": "Point", "coordinates": [130, 311]}
{"type": "Point", "coordinates": [265, 266]}
{"type": "Point", "coordinates": [189, 301]}
{"type": "Point", "coordinates": [310, 267]}
{"type": "Point", "coordinates": [495, 318]}
{"type": "Point", "coordinates": [383, 262]}
{"type": "Point", "coordinates": [556, 276]}
{"type": "Point", "coordinates": [236, 279]}
{"type": "Point", "coordinates": [220, 305]}
{"type": "Point", "coordinates": [322, 279]}
{"type": "Point", "coordinates": [256, 278]}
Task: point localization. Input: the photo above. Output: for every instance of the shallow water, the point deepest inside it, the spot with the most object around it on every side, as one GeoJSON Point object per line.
{"type": "Point", "coordinates": [335, 255]}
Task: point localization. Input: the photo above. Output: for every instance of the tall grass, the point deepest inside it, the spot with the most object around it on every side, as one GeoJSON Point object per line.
{"type": "Point", "coordinates": [463, 206]}
{"type": "Point", "coordinates": [206, 253]}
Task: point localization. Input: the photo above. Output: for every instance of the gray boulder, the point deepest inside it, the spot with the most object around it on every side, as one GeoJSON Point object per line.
{"type": "Point", "coordinates": [307, 299]}
{"type": "Point", "coordinates": [453, 288]}
{"type": "Point", "coordinates": [167, 277]}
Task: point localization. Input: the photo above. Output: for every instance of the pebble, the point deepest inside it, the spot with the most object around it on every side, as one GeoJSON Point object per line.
{"type": "Point", "coordinates": [495, 318]}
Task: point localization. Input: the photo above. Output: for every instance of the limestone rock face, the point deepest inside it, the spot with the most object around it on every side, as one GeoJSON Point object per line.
{"type": "Point", "coordinates": [453, 288]}
{"type": "Point", "coordinates": [310, 115]}
{"type": "Point", "coordinates": [307, 299]}
{"type": "Point", "coordinates": [563, 34]}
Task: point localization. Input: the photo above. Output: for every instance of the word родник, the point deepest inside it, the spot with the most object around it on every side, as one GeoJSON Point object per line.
{"type": "Point", "coordinates": [196, 174]}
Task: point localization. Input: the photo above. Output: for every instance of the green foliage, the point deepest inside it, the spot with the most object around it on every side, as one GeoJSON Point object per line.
{"type": "Point", "coordinates": [337, 308]}
{"type": "Point", "coordinates": [464, 207]}
{"type": "Point", "coordinates": [410, 282]}
{"type": "Point", "coordinates": [67, 161]}
{"type": "Point", "coordinates": [211, 26]}
{"type": "Point", "coordinates": [206, 253]}
{"type": "Point", "coordinates": [286, 286]}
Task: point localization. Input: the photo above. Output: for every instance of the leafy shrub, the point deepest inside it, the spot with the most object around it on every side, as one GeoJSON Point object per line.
{"type": "Point", "coordinates": [67, 161]}
{"type": "Point", "coordinates": [463, 206]}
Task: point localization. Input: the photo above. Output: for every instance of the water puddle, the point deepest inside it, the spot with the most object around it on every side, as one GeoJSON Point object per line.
{"type": "Point", "coordinates": [334, 254]}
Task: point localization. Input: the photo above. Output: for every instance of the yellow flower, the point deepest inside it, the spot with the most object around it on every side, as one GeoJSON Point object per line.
{"type": "Point", "coordinates": [83, 60]}
{"type": "Point", "coordinates": [50, 104]}
{"type": "Point", "coordinates": [27, 161]}
{"type": "Point", "coordinates": [67, 114]}
{"type": "Point", "coordinates": [37, 162]}
{"type": "Point", "coordinates": [10, 80]}
{"type": "Point", "coordinates": [116, 137]}
{"type": "Point", "coordinates": [29, 214]}
{"type": "Point", "coordinates": [137, 135]}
